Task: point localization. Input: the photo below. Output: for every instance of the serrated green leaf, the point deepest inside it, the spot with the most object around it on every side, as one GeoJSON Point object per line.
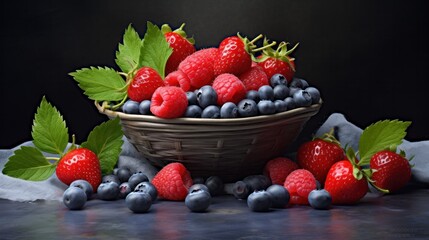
{"type": "Point", "coordinates": [128, 54]}
{"type": "Point", "coordinates": [379, 136]}
{"type": "Point", "coordinates": [106, 142]}
{"type": "Point", "coordinates": [155, 49]}
{"type": "Point", "coordinates": [28, 163]}
{"type": "Point", "coordinates": [49, 129]}
{"type": "Point", "coordinates": [101, 84]}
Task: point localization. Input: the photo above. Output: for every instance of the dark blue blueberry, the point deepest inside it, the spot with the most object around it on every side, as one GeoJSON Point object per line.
{"type": "Point", "coordinates": [85, 185]}
{"type": "Point", "coordinates": [138, 202]}
{"type": "Point", "coordinates": [266, 93]}
{"type": "Point", "coordinates": [123, 174]}
{"type": "Point", "coordinates": [211, 111]}
{"type": "Point", "coordinates": [266, 107]}
{"type": "Point", "coordinates": [144, 107]}
{"type": "Point", "coordinates": [137, 178]}
{"type": "Point", "coordinates": [281, 106]}
{"type": "Point", "coordinates": [257, 182]}
{"type": "Point", "coordinates": [278, 79]}
{"type": "Point", "coordinates": [281, 92]}
{"type": "Point", "coordinates": [198, 180]}
{"type": "Point", "coordinates": [192, 98]}
{"type": "Point", "coordinates": [259, 201]}
{"type": "Point", "coordinates": [229, 110]}
{"type": "Point", "coordinates": [302, 98]}
{"type": "Point", "coordinates": [147, 187]}
{"type": "Point", "coordinates": [198, 186]}
{"type": "Point", "coordinates": [279, 196]}
{"type": "Point", "coordinates": [74, 198]}
{"type": "Point", "coordinates": [198, 200]}
{"type": "Point", "coordinates": [206, 96]}
{"type": "Point", "coordinates": [320, 199]}
{"type": "Point", "coordinates": [131, 106]}
{"type": "Point", "coordinates": [193, 111]}
{"type": "Point", "coordinates": [253, 95]}
{"type": "Point", "coordinates": [215, 185]}
{"type": "Point", "coordinates": [298, 83]}
{"type": "Point", "coordinates": [124, 190]}
{"type": "Point", "coordinates": [293, 90]}
{"type": "Point", "coordinates": [314, 93]}
{"type": "Point", "coordinates": [111, 178]}
{"type": "Point", "coordinates": [241, 190]}
{"type": "Point", "coordinates": [108, 191]}
{"type": "Point", "coordinates": [247, 108]}
{"type": "Point", "coordinates": [290, 103]}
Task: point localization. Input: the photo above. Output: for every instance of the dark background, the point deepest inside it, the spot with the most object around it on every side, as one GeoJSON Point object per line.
{"type": "Point", "coordinates": [368, 58]}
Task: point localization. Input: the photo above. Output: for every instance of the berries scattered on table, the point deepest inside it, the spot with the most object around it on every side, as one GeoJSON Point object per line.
{"type": "Point", "coordinates": [320, 199]}
{"type": "Point", "coordinates": [138, 202]}
{"type": "Point", "coordinates": [85, 186]}
{"type": "Point", "coordinates": [198, 200]}
{"type": "Point", "coordinates": [300, 183]}
{"type": "Point", "coordinates": [147, 187]}
{"type": "Point", "coordinates": [259, 201]}
{"type": "Point", "coordinates": [137, 178]}
{"type": "Point", "coordinates": [172, 182]}
{"type": "Point", "coordinates": [74, 198]}
{"type": "Point", "coordinates": [108, 191]}
{"type": "Point", "coordinates": [215, 185]}
{"type": "Point", "coordinates": [279, 196]}
{"type": "Point", "coordinates": [277, 169]}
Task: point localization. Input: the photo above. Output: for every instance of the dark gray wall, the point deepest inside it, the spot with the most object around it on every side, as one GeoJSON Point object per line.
{"type": "Point", "coordinates": [369, 58]}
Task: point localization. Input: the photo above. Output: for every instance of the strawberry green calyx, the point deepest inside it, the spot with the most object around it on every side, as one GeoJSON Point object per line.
{"type": "Point", "coordinates": [282, 52]}
{"type": "Point", "coordinates": [165, 28]}
{"type": "Point", "coordinates": [329, 137]}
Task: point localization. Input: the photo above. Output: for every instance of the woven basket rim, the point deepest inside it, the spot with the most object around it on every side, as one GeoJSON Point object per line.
{"type": "Point", "coordinates": [210, 121]}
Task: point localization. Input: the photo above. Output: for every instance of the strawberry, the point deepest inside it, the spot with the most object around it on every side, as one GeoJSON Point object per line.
{"type": "Point", "coordinates": [172, 182]}
{"type": "Point", "coordinates": [80, 163]}
{"type": "Point", "coordinates": [144, 83]}
{"type": "Point", "coordinates": [181, 45]}
{"type": "Point", "coordinates": [198, 67]}
{"type": "Point", "coordinates": [390, 171]}
{"type": "Point", "coordinates": [277, 169]}
{"type": "Point", "coordinates": [319, 154]}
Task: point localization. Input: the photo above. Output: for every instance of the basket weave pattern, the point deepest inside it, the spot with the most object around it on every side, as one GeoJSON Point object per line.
{"type": "Point", "coordinates": [229, 148]}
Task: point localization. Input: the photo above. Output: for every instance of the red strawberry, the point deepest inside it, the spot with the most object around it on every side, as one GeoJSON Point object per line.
{"type": "Point", "coordinates": [254, 78]}
{"type": "Point", "coordinates": [278, 169]}
{"type": "Point", "coordinates": [178, 79]}
{"type": "Point", "coordinates": [172, 182]}
{"type": "Point", "coordinates": [229, 89]}
{"type": "Point", "coordinates": [391, 171]}
{"type": "Point", "coordinates": [318, 155]}
{"type": "Point", "coordinates": [278, 61]}
{"type": "Point", "coordinates": [169, 102]}
{"type": "Point", "coordinates": [198, 67]}
{"type": "Point", "coordinates": [144, 84]}
{"type": "Point", "coordinates": [300, 183]}
{"type": "Point", "coordinates": [181, 45]}
{"type": "Point", "coordinates": [78, 164]}
{"type": "Point", "coordinates": [343, 185]}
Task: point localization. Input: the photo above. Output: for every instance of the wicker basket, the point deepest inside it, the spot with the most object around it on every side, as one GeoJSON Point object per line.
{"type": "Point", "coordinates": [229, 148]}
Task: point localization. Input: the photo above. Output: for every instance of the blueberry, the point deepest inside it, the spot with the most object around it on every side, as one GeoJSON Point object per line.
{"type": "Point", "coordinates": [314, 93]}
{"type": "Point", "coordinates": [124, 189]}
{"type": "Point", "coordinates": [266, 107]}
{"type": "Point", "coordinates": [302, 98]}
{"type": "Point", "coordinates": [211, 111]}
{"type": "Point", "coordinates": [297, 83]}
{"type": "Point", "coordinates": [123, 174]}
{"type": "Point", "coordinates": [259, 201]}
{"type": "Point", "coordinates": [290, 103]}
{"type": "Point", "coordinates": [281, 92]}
{"type": "Point", "coordinates": [277, 79]}
{"type": "Point", "coordinates": [144, 107]}
{"type": "Point", "coordinates": [111, 178]}
{"type": "Point", "coordinates": [130, 106]}
{"type": "Point", "coordinates": [304, 84]}
{"type": "Point", "coordinates": [280, 105]}
{"type": "Point", "coordinates": [241, 190]}
{"type": "Point", "coordinates": [192, 98]}
{"type": "Point", "coordinates": [229, 110]}
{"type": "Point", "coordinates": [257, 182]}
{"type": "Point", "coordinates": [193, 111]}
{"type": "Point", "coordinates": [147, 187]}
{"type": "Point", "coordinates": [206, 96]}
{"type": "Point", "coordinates": [253, 95]}
{"type": "Point", "coordinates": [138, 202]}
{"type": "Point", "coordinates": [198, 186]}
{"type": "Point", "coordinates": [320, 199]}
{"type": "Point", "coordinates": [85, 185]}
{"type": "Point", "coordinates": [279, 195]}
{"type": "Point", "coordinates": [137, 178]}
{"type": "Point", "coordinates": [108, 191]}
{"type": "Point", "coordinates": [293, 90]}
{"type": "Point", "coordinates": [266, 93]}
{"type": "Point", "coordinates": [247, 108]}
{"type": "Point", "coordinates": [198, 180]}
{"type": "Point", "coordinates": [74, 198]}
{"type": "Point", "coordinates": [198, 200]}
{"type": "Point", "coordinates": [215, 185]}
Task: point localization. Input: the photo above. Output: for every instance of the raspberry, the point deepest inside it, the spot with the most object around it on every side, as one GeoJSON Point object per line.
{"type": "Point", "coordinates": [169, 102]}
{"type": "Point", "coordinates": [254, 78]}
{"type": "Point", "coordinates": [279, 168]}
{"type": "Point", "coordinates": [144, 83]}
{"type": "Point", "coordinates": [178, 79]}
{"type": "Point", "coordinates": [172, 182]}
{"type": "Point", "coordinates": [300, 183]}
{"type": "Point", "coordinates": [229, 89]}
{"type": "Point", "coordinates": [198, 67]}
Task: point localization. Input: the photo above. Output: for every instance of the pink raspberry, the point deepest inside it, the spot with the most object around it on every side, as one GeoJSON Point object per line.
{"type": "Point", "coordinates": [172, 182]}
{"type": "Point", "coordinates": [229, 89]}
{"type": "Point", "coordinates": [254, 78]}
{"type": "Point", "coordinates": [178, 79]}
{"type": "Point", "coordinates": [198, 67]}
{"type": "Point", "coordinates": [169, 102]}
{"type": "Point", "coordinates": [300, 183]}
{"type": "Point", "coordinates": [277, 169]}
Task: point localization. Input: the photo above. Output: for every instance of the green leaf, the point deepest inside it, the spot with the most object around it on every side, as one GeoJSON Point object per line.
{"type": "Point", "coordinates": [379, 136]}
{"type": "Point", "coordinates": [106, 142]}
{"type": "Point", "coordinates": [101, 84]}
{"type": "Point", "coordinates": [128, 54]}
{"type": "Point", "coordinates": [49, 129]}
{"type": "Point", "coordinates": [155, 50]}
{"type": "Point", "coordinates": [28, 163]}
